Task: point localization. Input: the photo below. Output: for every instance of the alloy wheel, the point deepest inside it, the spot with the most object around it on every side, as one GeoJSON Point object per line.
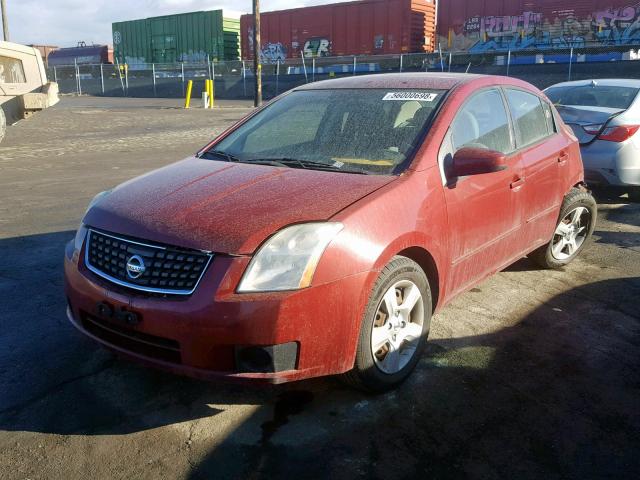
{"type": "Point", "coordinates": [397, 326]}
{"type": "Point", "coordinates": [571, 233]}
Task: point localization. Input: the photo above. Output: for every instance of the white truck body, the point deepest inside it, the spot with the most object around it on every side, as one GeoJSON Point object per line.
{"type": "Point", "coordinates": [24, 88]}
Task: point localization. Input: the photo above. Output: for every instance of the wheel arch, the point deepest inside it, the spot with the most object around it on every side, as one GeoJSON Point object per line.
{"type": "Point", "coordinates": [428, 264]}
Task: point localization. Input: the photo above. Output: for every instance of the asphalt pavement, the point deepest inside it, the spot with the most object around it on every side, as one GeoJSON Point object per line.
{"type": "Point", "coordinates": [532, 374]}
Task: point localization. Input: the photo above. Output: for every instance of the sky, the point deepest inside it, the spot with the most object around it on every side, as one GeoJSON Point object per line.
{"type": "Point", "coordinates": [64, 23]}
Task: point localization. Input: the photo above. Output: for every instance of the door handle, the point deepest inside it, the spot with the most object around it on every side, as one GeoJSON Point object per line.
{"type": "Point", "coordinates": [562, 159]}
{"type": "Point", "coordinates": [516, 184]}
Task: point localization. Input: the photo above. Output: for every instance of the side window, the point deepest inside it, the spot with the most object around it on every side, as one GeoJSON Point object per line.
{"type": "Point", "coordinates": [482, 123]}
{"type": "Point", "coordinates": [280, 132]}
{"type": "Point", "coordinates": [529, 116]}
{"type": "Point", "coordinates": [551, 124]}
{"type": "Point", "coordinates": [11, 70]}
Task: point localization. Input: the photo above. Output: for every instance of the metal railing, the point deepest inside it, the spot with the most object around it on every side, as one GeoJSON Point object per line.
{"type": "Point", "coordinates": [233, 79]}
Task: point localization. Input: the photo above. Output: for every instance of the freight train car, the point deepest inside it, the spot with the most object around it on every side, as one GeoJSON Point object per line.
{"type": "Point", "coordinates": [485, 26]}
{"type": "Point", "coordinates": [82, 54]}
{"type": "Point", "coordinates": [186, 37]}
{"type": "Point", "coordinates": [367, 27]}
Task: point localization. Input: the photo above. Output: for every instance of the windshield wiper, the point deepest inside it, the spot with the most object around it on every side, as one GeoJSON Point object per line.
{"type": "Point", "coordinates": [282, 161]}
{"type": "Point", "coordinates": [274, 163]}
{"type": "Point", "coordinates": [220, 154]}
{"type": "Point", "coordinates": [310, 165]}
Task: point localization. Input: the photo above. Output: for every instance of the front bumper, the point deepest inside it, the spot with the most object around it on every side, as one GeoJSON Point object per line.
{"type": "Point", "coordinates": [205, 330]}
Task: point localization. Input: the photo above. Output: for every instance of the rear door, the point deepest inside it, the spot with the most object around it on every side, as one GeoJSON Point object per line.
{"type": "Point", "coordinates": [545, 156]}
{"type": "Point", "coordinates": [484, 211]}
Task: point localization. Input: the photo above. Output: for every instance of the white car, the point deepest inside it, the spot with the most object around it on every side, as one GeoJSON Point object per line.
{"type": "Point", "coordinates": [605, 116]}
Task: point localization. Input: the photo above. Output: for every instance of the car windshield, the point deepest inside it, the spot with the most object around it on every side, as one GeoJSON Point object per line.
{"type": "Point", "coordinates": [606, 96]}
{"type": "Point", "coordinates": [370, 131]}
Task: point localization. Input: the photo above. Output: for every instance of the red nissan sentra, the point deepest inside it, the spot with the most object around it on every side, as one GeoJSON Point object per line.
{"type": "Point", "coordinates": [319, 235]}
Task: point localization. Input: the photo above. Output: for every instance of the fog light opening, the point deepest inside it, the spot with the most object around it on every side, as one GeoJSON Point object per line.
{"type": "Point", "coordinates": [267, 359]}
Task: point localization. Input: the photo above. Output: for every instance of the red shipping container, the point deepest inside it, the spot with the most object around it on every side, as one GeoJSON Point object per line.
{"type": "Point", "coordinates": [497, 25]}
{"type": "Point", "coordinates": [368, 27]}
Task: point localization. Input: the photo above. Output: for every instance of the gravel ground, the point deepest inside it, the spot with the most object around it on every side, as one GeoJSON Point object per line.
{"type": "Point", "coordinates": [533, 374]}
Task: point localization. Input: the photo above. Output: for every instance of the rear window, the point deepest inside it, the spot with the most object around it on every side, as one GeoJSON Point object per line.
{"type": "Point", "coordinates": [593, 96]}
{"type": "Point", "coordinates": [11, 70]}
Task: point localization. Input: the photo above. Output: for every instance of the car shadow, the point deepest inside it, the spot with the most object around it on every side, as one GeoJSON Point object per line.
{"type": "Point", "coordinates": [626, 240]}
{"type": "Point", "coordinates": [627, 214]}
{"type": "Point", "coordinates": [522, 265]}
{"type": "Point", "coordinates": [55, 380]}
{"type": "Point", "coordinates": [554, 395]}
{"type": "Point", "coordinates": [611, 195]}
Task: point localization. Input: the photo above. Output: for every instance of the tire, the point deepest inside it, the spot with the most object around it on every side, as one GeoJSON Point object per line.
{"type": "Point", "coordinates": [406, 330]}
{"type": "Point", "coordinates": [575, 226]}
{"type": "Point", "coordinates": [3, 124]}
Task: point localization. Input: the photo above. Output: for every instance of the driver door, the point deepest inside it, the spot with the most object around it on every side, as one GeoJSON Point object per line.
{"type": "Point", "coordinates": [484, 211]}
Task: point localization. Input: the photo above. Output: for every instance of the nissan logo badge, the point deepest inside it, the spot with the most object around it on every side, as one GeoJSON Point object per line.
{"type": "Point", "coordinates": [135, 267]}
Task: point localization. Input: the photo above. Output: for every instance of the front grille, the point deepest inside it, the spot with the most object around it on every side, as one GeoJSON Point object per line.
{"type": "Point", "coordinates": [152, 268]}
{"type": "Point", "coordinates": [137, 342]}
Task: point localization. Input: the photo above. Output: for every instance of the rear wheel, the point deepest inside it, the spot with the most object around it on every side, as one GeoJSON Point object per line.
{"type": "Point", "coordinates": [575, 225]}
{"type": "Point", "coordinates": [394, 328]}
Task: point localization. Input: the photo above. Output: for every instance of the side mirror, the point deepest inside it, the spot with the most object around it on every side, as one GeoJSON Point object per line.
{"type": "Point", "coordinates": [476, 161]}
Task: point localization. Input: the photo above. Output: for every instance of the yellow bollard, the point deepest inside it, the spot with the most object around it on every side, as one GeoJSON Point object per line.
{"type": "Point", "coordinates": [187, 100]}
{"type": "Point", "coordinates": [212, 93]}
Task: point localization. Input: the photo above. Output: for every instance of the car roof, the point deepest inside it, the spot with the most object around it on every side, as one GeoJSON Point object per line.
{"type": "Point", "coordinates": [430, 80]}
{"type": "Point", "coordinates": [605, 82]}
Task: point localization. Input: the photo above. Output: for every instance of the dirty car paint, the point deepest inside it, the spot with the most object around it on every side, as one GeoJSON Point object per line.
{"type": "Point", "coordinates": [458, 233]}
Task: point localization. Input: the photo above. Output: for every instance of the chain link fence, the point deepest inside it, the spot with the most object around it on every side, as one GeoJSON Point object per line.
{"type": "Point", "coordinates": [234, 80]}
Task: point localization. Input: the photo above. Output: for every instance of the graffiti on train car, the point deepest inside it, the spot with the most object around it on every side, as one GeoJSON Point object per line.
{"type": "Point", "coordinates": [532, 30]}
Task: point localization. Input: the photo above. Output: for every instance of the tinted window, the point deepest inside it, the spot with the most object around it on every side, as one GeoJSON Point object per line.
{"type": "Point", "coordinates": [11, 70]}
{"type": "Point", "coordinates": [529, 116]}
{"type": "Point", "coordinates": [370, 130]}
{"type": "Point", "coordinates": [483, 123]}
{"type": "Point", "coordinates": [593, 96]}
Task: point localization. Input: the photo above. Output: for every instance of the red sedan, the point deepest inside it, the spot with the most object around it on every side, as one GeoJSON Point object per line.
{"type": "Point", "coordinates": [319, 235]}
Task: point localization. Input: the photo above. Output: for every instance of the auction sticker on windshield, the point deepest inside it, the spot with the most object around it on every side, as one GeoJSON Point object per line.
{"type": "Point", "coordinates": [404, 96]}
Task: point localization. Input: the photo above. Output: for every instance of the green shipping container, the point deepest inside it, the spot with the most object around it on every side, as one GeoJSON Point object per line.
{"type": "Point", "coordinates": [186, 37]}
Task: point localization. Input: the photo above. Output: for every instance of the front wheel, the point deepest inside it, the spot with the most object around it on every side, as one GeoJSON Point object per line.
{"type": "Point", "coordinates": [394, 328]}
{"type": "Point", "coordinates": [576, 223]}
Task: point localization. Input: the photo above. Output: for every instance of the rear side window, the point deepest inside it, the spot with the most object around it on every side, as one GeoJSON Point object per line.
{"type": "Point", "coordinates": [11, 70]}
{"type": "Point", "coordinates": [551, 124]}
{"type": "Point", "coordinates": [529, 117]}
{"type": "Point", "coordinates": [482, 123]}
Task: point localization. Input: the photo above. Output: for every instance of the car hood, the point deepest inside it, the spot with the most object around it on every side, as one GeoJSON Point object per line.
{"type": "Point", "coordinates": [225, 207]}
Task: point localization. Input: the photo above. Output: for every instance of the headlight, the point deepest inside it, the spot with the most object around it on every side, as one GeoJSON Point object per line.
{"type": "Point", "coordinates": [80, 235]}
{"type": "Point", "coordinates": [97, 198]}
{"type": "Point", "coordinates": [82, 229]}
{"type": "Point", "coordinates": [288, 260]}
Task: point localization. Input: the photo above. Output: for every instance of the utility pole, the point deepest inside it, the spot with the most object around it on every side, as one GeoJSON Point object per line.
{"type": "Point", "coordinates": [257, 65]}
{"type": "Point", "coordinates": [5, 20]}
